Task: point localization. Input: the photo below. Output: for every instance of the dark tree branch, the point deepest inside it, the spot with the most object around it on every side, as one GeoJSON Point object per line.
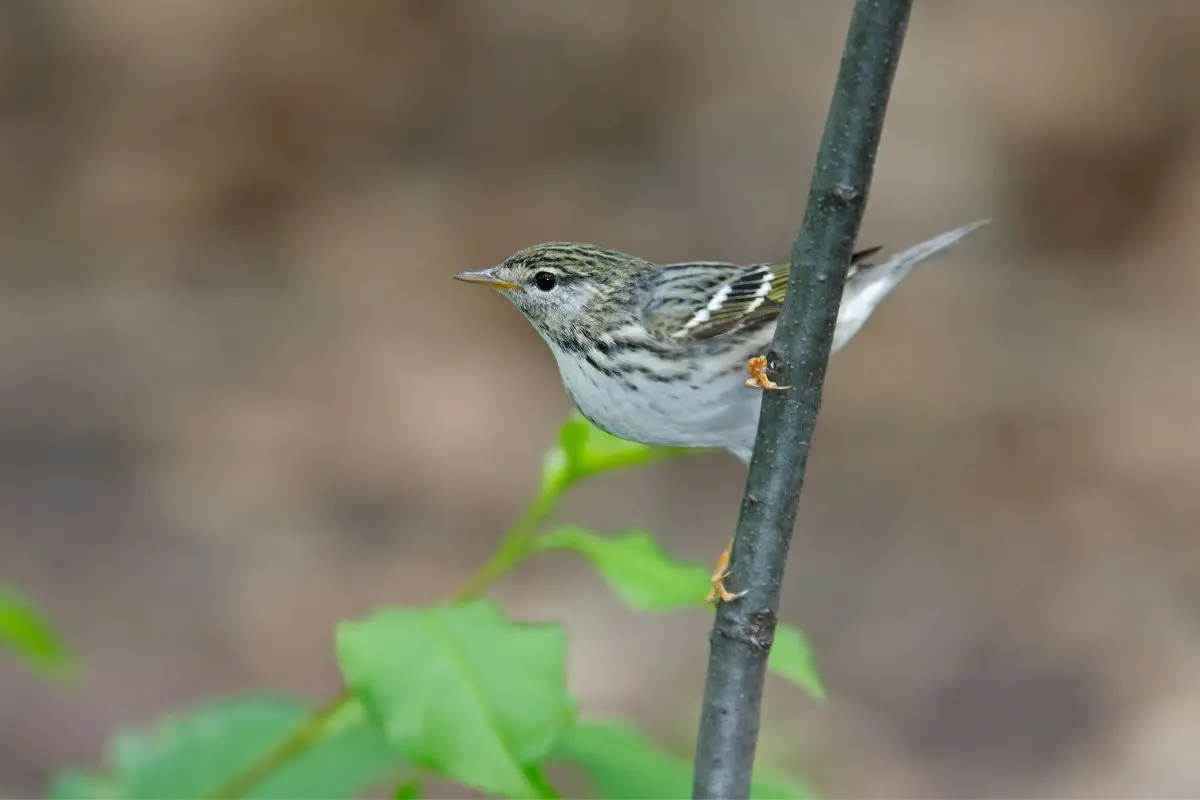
{"type": "Point", "coordinates": [743, 631]}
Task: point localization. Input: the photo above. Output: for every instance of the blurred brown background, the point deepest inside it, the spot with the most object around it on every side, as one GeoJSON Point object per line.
{"type": "Point", "coordinates": [241, 399]}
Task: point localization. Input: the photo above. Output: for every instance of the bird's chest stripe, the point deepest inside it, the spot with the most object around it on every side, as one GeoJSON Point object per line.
{"type": "Point", "coordinates": [603, 369]}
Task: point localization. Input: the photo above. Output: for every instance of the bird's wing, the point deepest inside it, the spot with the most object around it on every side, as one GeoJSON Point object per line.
{"type": "Point", "coordinates": [702, 300]}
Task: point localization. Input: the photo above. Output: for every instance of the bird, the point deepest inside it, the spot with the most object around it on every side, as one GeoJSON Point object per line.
{"type": "Point", "coordinates": [659, 353]}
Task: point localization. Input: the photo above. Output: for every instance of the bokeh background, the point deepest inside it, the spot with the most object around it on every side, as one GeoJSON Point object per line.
{"type": "Point", "coordinates": [240, 399]}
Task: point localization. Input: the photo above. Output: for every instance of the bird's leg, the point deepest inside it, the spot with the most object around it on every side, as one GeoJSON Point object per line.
{"type": "Point", "coordinates": [757, 367]}
{"type": "Point", "coordinates": [719, 575]}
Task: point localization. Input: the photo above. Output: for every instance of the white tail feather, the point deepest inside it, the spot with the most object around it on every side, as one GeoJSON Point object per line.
{"type": "Point", "coordinates": [870, 285]}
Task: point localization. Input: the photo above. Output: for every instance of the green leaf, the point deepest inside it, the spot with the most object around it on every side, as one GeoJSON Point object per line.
{"type": "Point", "coordinates": [24, 631]}
{"type": "Point", "coordinates": [792, 658]}
{"type": "Point", "coordinates": [77, 784]}
{"type": "Point", "coordinates": [460, 690]}
{"type": "Point", "coordinates": [192, 755]}
{"type": "Point", "coordinates": [636, 568]}
{"type": "Point", "coordinates": [409, 790]}
{"type": "Point", "coordinates": [624, 764]}
{"type": "Point", "coordinates": [583, 450]}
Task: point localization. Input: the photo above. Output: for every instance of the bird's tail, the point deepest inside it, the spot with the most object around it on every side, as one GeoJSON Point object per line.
{"type": "Point", "coordinates": [869, 284]}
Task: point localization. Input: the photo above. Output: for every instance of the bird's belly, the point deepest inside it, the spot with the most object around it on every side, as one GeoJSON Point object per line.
{"type": "Point", "coordinates": [704, 411]}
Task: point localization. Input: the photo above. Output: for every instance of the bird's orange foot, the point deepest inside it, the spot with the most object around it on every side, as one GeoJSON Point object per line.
{"type": "Point", "coordinates": [718, 591]}
{"type": "Point", "coordinates": [757, 367]}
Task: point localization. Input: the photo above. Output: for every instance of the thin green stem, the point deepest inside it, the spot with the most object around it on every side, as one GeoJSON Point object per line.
{"type": "Point", "coordinates": [304, 737]}
{"type": "Point", "coordinates": [517, 544]}
{"type": "Point", "coordinates": [537, 779]}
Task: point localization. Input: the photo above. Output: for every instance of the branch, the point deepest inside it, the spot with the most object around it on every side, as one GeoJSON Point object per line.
{"type": "Point", "coordinates": [743, 630]}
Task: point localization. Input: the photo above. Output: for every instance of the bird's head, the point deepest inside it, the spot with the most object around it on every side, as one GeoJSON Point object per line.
{"type": "Point", "coordinates": [568, 291]}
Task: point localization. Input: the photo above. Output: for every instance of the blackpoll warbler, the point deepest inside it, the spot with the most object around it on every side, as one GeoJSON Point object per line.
{"type": "Point", "coordinates": [657, 353]}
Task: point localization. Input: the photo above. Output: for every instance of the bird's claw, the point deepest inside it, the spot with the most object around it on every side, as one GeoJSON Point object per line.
{"type": "Point", "coordinates": [757, 367]}
{"type": "Point", "coordinates": [718, 590]}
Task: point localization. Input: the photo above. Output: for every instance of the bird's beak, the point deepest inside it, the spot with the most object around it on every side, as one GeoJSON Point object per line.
{"type": "Point", "coordinates": [485, 277]}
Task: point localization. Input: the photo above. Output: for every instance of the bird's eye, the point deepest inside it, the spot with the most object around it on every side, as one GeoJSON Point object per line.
{"type": "Point", "coordinates": [545, 280]}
